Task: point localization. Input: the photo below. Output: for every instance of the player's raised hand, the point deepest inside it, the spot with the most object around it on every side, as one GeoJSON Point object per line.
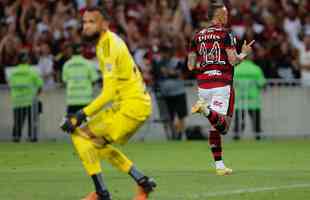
{"type": "Point", "coordinates": [247, 47]}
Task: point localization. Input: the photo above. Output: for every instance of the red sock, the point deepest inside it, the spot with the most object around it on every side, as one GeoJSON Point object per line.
{"type": "Point", "coordinates": [215, 143]}
{"type": "Point", "coordinates": [218, 122]}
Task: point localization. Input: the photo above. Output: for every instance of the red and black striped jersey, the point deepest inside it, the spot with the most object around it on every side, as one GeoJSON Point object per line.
{"type": "Point", "coordinates": [212, 66]}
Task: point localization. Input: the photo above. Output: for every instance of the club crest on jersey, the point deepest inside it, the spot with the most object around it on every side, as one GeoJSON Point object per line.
{"type": "Point", "coordinates": [108, 66]}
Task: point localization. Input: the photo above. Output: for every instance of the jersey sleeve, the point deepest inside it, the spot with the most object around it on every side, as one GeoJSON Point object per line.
{"type": "Point", "coordinates": [193, 44]}
{"type": "Point", "coordinates": [230, 41]}
{"type": "Point", "coordinates": [108, 65]}
{"type": "Point", "coordinates": [125, 63]}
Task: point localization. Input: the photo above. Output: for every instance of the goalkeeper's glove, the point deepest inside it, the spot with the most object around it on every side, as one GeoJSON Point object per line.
{"type": "Point", "coordinates": [71, 122]}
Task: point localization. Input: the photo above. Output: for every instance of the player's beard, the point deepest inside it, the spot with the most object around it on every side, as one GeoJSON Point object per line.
{"type": "Point", "coordinates": [91, 38]}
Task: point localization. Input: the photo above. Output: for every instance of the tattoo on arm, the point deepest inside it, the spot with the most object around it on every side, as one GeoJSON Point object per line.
{"type": "Point", "coordinates": [192, 60]}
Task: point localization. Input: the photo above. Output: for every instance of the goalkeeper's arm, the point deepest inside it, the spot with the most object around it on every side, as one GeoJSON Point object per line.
{"type": "Point", "coordinates": [107, 93]}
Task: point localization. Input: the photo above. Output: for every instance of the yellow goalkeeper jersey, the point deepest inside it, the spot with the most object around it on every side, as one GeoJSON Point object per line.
{"type": "Point", "coordinates": [123, 85]}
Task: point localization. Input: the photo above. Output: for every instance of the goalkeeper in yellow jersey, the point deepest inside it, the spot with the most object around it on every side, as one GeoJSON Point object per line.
{"type": "Point", "coordinates": [115, 115]}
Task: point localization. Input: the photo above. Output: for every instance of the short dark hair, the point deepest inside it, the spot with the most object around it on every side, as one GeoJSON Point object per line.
{"type": "Point", "coordinates": [214, 5]}
{"type": "Point", "coordinates": [23, 56]}
{"type": "Point", "coordinates": [77, 49]}
{"type": "Point", "coordinates": [103, 11]}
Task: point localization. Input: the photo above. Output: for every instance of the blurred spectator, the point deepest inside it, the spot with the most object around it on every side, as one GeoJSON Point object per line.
{"type": "Point", "coordinates": [304, 57]}
{"type": "Point", "coordinates": [292, 24]}
{"type": "Point", "coordinates": [307, 25]}
{"type": "Point", "coordinates": [9, 48]}
{"type": "Point", "coordinates": [249, 82]}
{"type": "Point", "coordinates": [200, 13]}
{"type": "Point", "coordinates": [45, 65]}
{"type": "Point", "coordinates": [45, 24]}
{"type": "Point", "coordinates": [25, 83]}
{"type": "Point", "coordinates": [171, 90]}
{"type": "Point", "coordinates": [145, 66]}
{"type": "Point", "coordinates": [287, 67]}
{"type": "Point", "coordinates": [61, 58]}
{"type": "Point", "coordinates": [78, 75]}
{"type": "Point", "coordinates": [262, 59]}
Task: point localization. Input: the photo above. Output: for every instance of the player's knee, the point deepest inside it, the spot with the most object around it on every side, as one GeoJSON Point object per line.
{"type": "Point", "coordinates": [222, 129]}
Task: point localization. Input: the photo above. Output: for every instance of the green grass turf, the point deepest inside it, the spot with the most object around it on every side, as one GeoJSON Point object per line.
{"type": "Point", "coordinates": [268, 170]}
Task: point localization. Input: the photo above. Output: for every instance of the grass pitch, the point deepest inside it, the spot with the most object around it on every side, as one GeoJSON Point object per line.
{"type": "Point", "coordinates": [267, 170]}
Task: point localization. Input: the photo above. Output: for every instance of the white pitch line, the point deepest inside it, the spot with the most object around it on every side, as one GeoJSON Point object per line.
{"type": "Point", "coordinates": [246, 190]}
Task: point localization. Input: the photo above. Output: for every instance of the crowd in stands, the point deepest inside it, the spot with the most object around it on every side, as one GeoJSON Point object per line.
{"type": "Point", "coordinates": [46, 29]}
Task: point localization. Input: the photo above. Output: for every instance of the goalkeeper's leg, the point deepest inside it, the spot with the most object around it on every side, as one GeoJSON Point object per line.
{"type": "Point", "coordinates": [121, 162]}
{"type": "Point", "coordinates": [108, 127]}
{"type": "Point", "coordinates": [90, 152]}
{"type": "Point", "coordinates": [91, 161]}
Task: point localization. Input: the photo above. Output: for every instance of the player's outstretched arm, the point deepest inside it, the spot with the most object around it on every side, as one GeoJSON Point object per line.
{"type": "Point", "coordinates": [234, 58]}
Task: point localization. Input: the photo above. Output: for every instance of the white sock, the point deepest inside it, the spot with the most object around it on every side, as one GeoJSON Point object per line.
{"type": "Point", "coordinates": [219, 164]}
